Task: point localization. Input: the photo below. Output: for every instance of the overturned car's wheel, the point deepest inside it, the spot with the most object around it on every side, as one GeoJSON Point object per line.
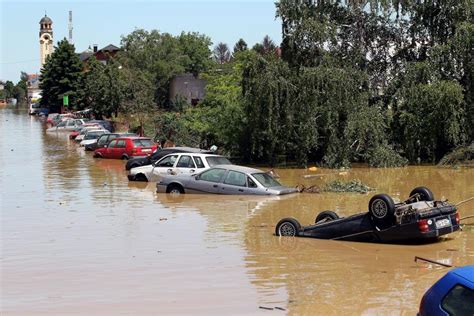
{"type": "Point", "coordinates": [424, 194]}
{"type": "Point", "coordinates": [382, 208]}
{"type": "Point", "coordinates": [326, 216]}
{"type": "Point", "coordinates": [288, 227]}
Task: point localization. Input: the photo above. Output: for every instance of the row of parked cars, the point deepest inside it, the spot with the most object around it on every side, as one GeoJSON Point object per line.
{"type": "Point", "coordinates": [177, 170]}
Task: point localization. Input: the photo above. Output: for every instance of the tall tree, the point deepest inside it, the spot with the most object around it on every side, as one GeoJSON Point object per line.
{"type": "Point", "coordinates": [158, 54]}
{"type": "Point", "coordinates": [221, 53]}
{"type": "Point", "coordinates": [102, 88]}
{"type": "Point", "coordinates": [240, 46]}
{"type": "Point", "coordinates": [60, 76]}
{"type": "Point", "coordinates": [196, 47]}
{"type": "Point", "coordinates": [138, 96]}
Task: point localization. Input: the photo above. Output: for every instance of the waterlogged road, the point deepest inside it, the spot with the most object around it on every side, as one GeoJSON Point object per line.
{"type": "Point", "coordinates": [78, 238]}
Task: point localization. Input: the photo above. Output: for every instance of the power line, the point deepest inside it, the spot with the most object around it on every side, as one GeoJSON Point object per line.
{"type": "Point", "coordinates": [19, 62]}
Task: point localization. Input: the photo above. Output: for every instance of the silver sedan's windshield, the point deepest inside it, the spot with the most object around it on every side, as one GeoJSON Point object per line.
{"type": "Point", "coordinates": [266, 180]}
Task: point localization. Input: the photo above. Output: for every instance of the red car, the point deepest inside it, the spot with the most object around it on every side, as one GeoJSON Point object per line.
{"type": "Point", "coordinates": [126, 147]}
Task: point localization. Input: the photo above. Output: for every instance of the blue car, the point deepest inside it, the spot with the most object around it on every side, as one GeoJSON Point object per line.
{"type": "Point", "coordinates": [453, 294]}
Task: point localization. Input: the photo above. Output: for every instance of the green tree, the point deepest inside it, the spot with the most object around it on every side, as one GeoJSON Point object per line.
{"type": "Point", "coordinates": [60, 76]}
{"type": "Point", "coordinates": [221, 53]}
{"type": "Point", "coordinates": [9, 86]}
{"type": "Point", "coordinates": [137, 101]}
{"type": "Point", "coordinates": [102, 88]}
{"type": "Point", "coordinates": [196, 47]}
{"type": "Point", "coordinates": [158, 54]}
{"type": "Point", "coordinates": [240, 46]}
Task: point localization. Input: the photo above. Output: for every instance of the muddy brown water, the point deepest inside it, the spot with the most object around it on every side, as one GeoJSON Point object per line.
{"type": "Point", "coordinates": [78, 238]}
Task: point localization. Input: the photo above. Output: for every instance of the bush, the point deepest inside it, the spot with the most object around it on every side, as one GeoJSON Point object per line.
{"type": "Point", "coordinates": [385, 157]}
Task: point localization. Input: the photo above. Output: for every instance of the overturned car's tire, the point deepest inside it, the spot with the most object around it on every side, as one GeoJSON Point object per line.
{"type": "Point", "coordinates": [288, 227]}
{"type": "Point", "coordinates": [326, 216]}
{"type": "Point", "coordinates": [424, 194]}
{"type": "Point", "coordinates": [382, 209]}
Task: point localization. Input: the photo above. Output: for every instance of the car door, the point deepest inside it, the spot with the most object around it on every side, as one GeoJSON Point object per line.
{"type": "Point", "coordinates": [164, 166]}
{"type": "Point", "coordinates": [110, 152]}
{"type": "Point", "coordinates": [234, 183]}
{"type": "Point", "coordinates": [208, 181]}
{"type": "Point", "coordinates": [61, 125]}
{"type": "Point", "coordinates": [185, 165]}
{"type": "Point", "coordinates": [70, 125]}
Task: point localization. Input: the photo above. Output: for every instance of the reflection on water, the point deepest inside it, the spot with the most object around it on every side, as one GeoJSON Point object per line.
{"type": "Point", "coordinates": [77, 236]}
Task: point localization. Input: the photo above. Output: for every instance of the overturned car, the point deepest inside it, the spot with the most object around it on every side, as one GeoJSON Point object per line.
{"type": "Point", "coordinates": [420, 217]}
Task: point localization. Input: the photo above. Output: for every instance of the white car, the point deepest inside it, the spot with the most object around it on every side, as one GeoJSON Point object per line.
{"type": "Point", "coordinates": [177, 163]}
{"type": "Point", "coordinates": [66, 126]}
{"type": "Point", "coordinates": [83, 131]}
{"type": "Point", "coordinates": [92, 136]}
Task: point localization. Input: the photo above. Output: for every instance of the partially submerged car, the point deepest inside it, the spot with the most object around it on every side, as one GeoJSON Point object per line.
{"type": "Point", "coordinates": [66, 126]}
{"type": "Point", "coordinates": [420, 217]}
{"type": "Point", "coordinates": [453, 294]}
{"type": "Point", "coordinates": [105, 139]}
{"type": "Point", "coordinates": [91, 137]}
{"type": "Point", "coordinates": [177, 163]}
{"type": "Point", "coordinates": [160, 153]}
{"type": "Point", "coordinates": [126, 147]}
{"type": "Point", "coordinates": [224, 179]}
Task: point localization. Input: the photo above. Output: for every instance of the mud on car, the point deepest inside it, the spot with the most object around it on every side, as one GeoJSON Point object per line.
{"type": "Point", "coordinates": [420, 217]}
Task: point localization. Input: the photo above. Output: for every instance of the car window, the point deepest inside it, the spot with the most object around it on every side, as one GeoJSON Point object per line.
{"type": "Point", "coordinates": [459, 301]}
{"type": "Point", "coordinates": [251, 183]}
{"type": "Point", "coordinates": [235, 178]}
{"type": "Point", "coordinates": [266, 180]}
{"type": "Point", "coordinates": [113, 144]}
{"type": "Point", "coordinates": [167, 161]}
{"type": "Point", "coordinates": [62, 124]}
{"type": "Point", "coordinates": [93, 135]}
{"type": "Point", "coordinates": [185, 162]}
{"type": "Point", "coordinates": [199, 162]}
{"type": "Point", "coordinates": [216, 160]}
{"type": "Point", "coordinates": [142, 142]}
{"type": "Point", "coordinates": [212, 175]}
{"type": "Point", "coordinates": [70, 123]}
{"type": "Point", "coordinates": [102, 140]}
{"type": "Point", "coordinates": [120, 143]}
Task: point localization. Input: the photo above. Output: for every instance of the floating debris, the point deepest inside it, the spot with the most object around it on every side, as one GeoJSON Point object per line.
{"type": "Point", "coordinates": [354, 185]}
{"type": "Point", "coordinates": [311, 189]}
{"type": "Point", "coordinates": [267, 308]}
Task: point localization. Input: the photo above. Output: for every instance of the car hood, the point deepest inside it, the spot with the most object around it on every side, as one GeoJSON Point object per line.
{"type": "Point", "coordinates": [281, 190]}
{"type": "Point", "coordinates": [88, 141]}
{"type": "Point", "coordinates": [142, 169]}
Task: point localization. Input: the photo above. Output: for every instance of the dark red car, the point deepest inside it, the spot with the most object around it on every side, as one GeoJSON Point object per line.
{"type": "Point", "coordinates": [126, 147]}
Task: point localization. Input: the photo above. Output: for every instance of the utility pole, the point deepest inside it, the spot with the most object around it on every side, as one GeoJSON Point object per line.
{"type": "Point", "coordinates": [70, 27]}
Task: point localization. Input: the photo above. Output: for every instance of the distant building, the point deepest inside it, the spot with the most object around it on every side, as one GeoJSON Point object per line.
{"type": "Point", "coordinates": [187, 86]}
{"type": "Point", "coordinates": [102, 55]}
{"type": "Point", "coordinates": [2, 85]}
{"type": "Point", "coordinates": [34, 91]}
{"type": "Point", "coordinates": [45, 39]}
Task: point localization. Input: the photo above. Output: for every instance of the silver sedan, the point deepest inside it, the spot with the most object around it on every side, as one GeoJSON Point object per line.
{"type": "Point", "coordinates": [224, 179]}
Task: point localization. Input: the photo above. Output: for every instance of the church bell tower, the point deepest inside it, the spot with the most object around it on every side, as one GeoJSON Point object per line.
{"type": "Point", "coordinates": [45, 38]}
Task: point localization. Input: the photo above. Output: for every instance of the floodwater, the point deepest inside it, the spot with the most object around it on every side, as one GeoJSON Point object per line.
{"type": "Point", "coordinates": [78, 238]}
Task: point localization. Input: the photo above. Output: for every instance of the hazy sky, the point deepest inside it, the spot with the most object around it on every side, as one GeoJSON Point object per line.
{"type": "Point", "coordinates": [103, 22]}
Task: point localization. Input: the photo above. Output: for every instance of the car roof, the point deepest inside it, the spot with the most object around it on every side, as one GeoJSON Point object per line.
{"type": "Point", "coordinates": [466, 272]}
{"type": "Point", "coordinates": [239, 168]}
{"type": "Point", "coordinates": [133, 137]}
{"type": "Point", "coordinates": [187, 150]}
{"type": "Point", "coordinates": [194, 154]}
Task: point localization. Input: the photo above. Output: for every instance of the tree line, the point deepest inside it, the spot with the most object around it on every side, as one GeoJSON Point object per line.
{"type": "Point", "coordinates": [380, 82]}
